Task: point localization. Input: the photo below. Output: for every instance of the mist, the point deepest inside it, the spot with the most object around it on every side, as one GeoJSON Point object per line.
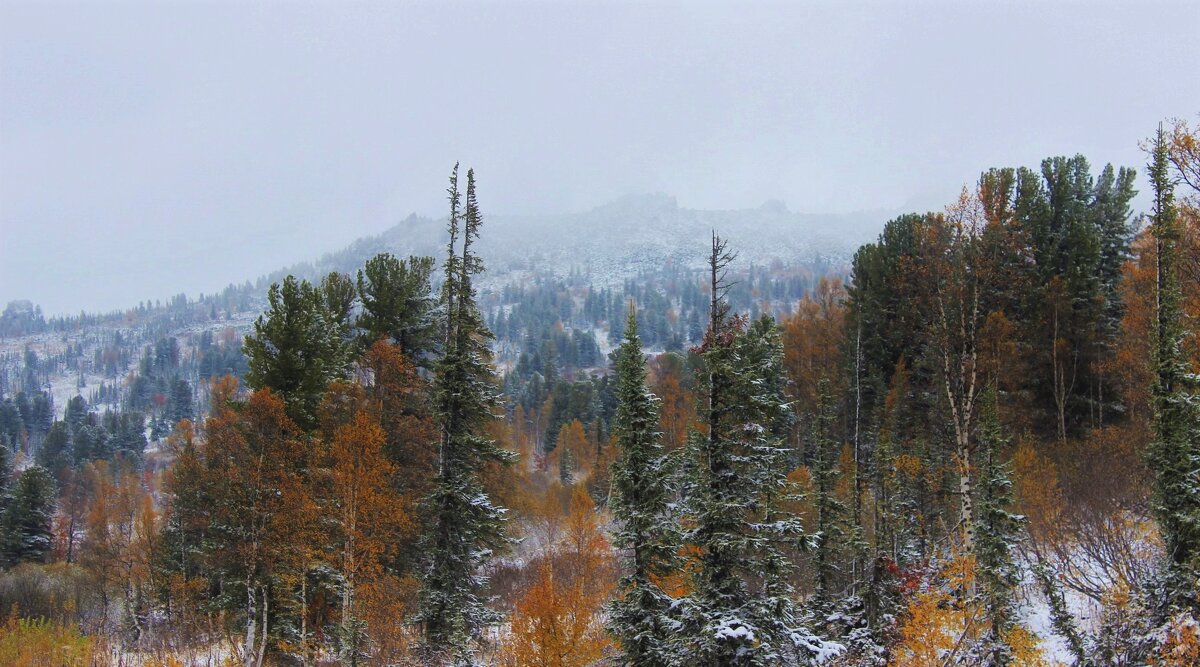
{"type": "Point", "coordinates": [147, 150]}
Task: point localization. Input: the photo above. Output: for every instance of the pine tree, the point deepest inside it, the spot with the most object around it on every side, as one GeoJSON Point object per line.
{"type": "Point", "coordinates": [337, 295]}
{"type": "Point", "coordinates": [640, 615]}
{"type": "Point", "coordinates": [25, 527]}
{"type": "Point", "coordinates": [1174, 454]}
{"type": "Point", "coordinates": [467, 525]}
{"type": "Point", "coordinates": [996, 534]}
{"type": "Point", "coordinates": [298, 347]}
{"type": "Point", "coordinates": [397, 304]}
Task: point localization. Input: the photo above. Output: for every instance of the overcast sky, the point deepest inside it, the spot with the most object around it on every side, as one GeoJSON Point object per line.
{"type": "Point", "coordinates": [147, 149]}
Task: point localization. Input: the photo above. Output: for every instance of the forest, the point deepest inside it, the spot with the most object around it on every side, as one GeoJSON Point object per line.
{"type": "Point", "coordinates": [977, 443]}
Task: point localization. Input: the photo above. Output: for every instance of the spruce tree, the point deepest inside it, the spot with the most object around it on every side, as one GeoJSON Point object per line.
{"type": "Point", "coordinates": [639, 617]}
{"type": "Point", "coordinates": [26, 526]}
{"type": "Point", "coordinates": [5, 473]}
{"type": "Point", "coordinates": [182, 537]}
{"type": "Point", "coordinates": [55, 453]}
{"type": "Point", "coordinates": [179, 403]}
{"type": "Point", "coordinates": [467, 527]}
{"type": "Point", "coordinates": [566, 468]}
{"type": "Point", "coordinates": [5, 479]}
{"type": "Point", "coordinates": [831, 511]}
{"type": "Point", "coordinates": [1174, 453]}
{"type": "Point", "coordinates": [742, 610]}
{"type": "Point", "coordinates": [1061, 618]}
{"type": "Point", "coordinates": [995, 536]}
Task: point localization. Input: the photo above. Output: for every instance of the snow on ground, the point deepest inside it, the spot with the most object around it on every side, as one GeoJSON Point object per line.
{"type": "Point", "coordinates": [1035, 614]}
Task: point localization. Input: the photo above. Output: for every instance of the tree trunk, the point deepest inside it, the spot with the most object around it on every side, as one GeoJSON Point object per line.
{"type": "Point", "coordinates": [964, 490]}
{"type": "Point", "coordinates": [251, 620]}
{"type": "Point", "coordinates": [262, 645]}
{"type": "Point", "coordinates": [304, 618]}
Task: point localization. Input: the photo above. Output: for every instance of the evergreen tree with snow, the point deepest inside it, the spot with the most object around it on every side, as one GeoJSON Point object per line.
{"type": "Point", "coordinates": [996, 535]}
{"type": "Point", "coordinates": [1174, 454]}
{"type": "Point", "coordinates": [55, 453]}
{"type": "Point", "coordinates": [639, 617]}
{"type": "Point", "coordinates": [179, 403]}
{"type": "Point", "coordinates": [566, 468]}
{"type": "Point", "coordinates": [182, 537]}
{"type": "Point", "coordinates": [5, 478]}
{"type": "Point", "coordinates": [466, 526]}
{"type": "Point", "coordinates": [26, 525]}
{"type": "Point", "coordinates": [831, 511]}
{"type": "Point", "coordinates": [742, 609]}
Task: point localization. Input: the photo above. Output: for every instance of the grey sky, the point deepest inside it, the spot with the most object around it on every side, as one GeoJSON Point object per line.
{"type": "Point", "coordinates": [148, 149]}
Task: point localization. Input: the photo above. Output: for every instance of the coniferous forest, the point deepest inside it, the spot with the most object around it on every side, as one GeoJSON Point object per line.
{"type": "Point", "coordinates": [977, 442]}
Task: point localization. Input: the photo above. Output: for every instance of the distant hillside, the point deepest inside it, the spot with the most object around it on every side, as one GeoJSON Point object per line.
{"type": "Point", "coordinates": [621, 239]}
{"type": "Point", "coordinates": [617, 240]}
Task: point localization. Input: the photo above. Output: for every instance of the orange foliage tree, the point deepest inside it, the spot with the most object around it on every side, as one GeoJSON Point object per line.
{"type": "Point", "coordinates": [368, 516]}
{"type": "Point", "coordinates": [120, 531]}
{"type": "Point", "coordinates": [254, 454]}
{"type": "Point", "coordinates": [942, 625]}
{"type": "Point", "coordinates": [557, 621]}
{"type": "Point", "coordinates": [812, 340]}
{"type": "Point", "coordinates": [676, 406]}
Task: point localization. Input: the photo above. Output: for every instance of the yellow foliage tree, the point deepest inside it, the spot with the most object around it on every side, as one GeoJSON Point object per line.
{"type": "Point", "coordinates": [121, 531]}
{"type": "Point", "coordinates": [573, 439]}
{"type": "Point", "coordinates": [43, 643]}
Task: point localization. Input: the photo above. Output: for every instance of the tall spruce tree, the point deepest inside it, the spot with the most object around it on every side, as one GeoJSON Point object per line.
{"type": "Point", "coordinates": [996, 534]}
{"type": "Point", "coordinates": [1174, 453]}
{"type": "Point", "coordinates": [467, 527]}
{"type": "Point", "coordinates": [55, 453]}
{"type": "Point", "coordinates": [742, 609]}
{"type": "Point", "coordinates": [639, 616]}
{"type": "Point", "coordinates": [182, 536]}
{"type": "Point", "coordinates": [831, 511]}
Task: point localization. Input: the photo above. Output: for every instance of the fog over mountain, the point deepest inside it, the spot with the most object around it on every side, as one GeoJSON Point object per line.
{"type": "Point", "coordinates": [615, 241]}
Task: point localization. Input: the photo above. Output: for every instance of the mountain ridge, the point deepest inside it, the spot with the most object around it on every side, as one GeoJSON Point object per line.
{"type": "Point", "coordinates": [617, 239]}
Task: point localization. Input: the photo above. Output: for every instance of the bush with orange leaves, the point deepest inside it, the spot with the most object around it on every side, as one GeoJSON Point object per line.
{"type": "Point", "coordinates": [944, 624]}
{"type": "Point", "coordinates": [1090, 526]}
{"type": "Point", "coordinates": [1180, 643]}
{"type": "Point", "coordinates": [557, 621]}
